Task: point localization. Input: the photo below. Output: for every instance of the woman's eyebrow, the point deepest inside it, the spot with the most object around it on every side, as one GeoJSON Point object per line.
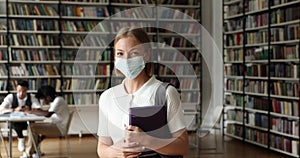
{"type": "Point", "coordinates": [132, 49]}
{"type": "Point", "coordinates": [120, 50]}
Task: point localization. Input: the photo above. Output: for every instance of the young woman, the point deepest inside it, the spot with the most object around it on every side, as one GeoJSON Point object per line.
{"type": "Point", "coordinates": [132, 54]}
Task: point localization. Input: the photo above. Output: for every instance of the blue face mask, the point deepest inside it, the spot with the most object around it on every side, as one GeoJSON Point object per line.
{"type": "Point", "coordinates": [130, 67]}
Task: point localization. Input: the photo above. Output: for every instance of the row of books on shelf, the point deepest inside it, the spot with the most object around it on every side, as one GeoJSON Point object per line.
{"type": "Point", "coordinates": [262, 20]}
{"type": "Point", "coordinates": [290, 32]}
{"type": "Point", "coordinates": [253, 21]}
{"type": "Point", "coordinates": [262, 36]}
{"type": "Point", "coordinates": [34, 55]}
{"type": "Point", "coordinates": [234, 85]}
{"type": "Point", "coordinates": [87, 1]}
{"type": "Point", "coordinates": [33, 24]}
{"type": "Point", "coordinates": [286, 107]}
{"type": "Point", "coordinates": [179, 56]}
{"type": "Point", "coordinates": [86, 69]}
{"type": "Point", "coordinates": [17, 55]}
{"type": "Point", "coordinates": [234, 39]}
{"type": "Point", "coordinates": [282, 15]}
{"type": "Point", "coordinates": [3, 70]}
{"type": "Point", "coordinates": [277, 141]}
{"type": "Point", "coordinates": [235, 115]}
{"type": "Point", "coordinates": [285, 144]}
{"type": "Point", "coordinates": [255, 5]}
{"type": "Point", "coordinates": [260, 87]}
{"type": "Point", "coordinates": [172, 2]}
{"type": "Point", "coordinates": [285, 52]}
{"type": "Point", "coordinates": [31, 9]}
{"type": "Point", "coordinates": [34, 70]}
{"type": "Point", "coordinates": [3, 39]}
{"type": "Point", "coordinates": [259, 70]}
{"type": "Point", "coordinates": [86, 55]}
{"type": "Point", "coordinates": [81, 99]}
{"type": "Point", "coordinates": [82, 40]}
{"type": "Point", "coordinates": [282, 88]}
{"type": "Point", "coordinates": [256, 103]}
{"type": "Point", "coordinates": [288, 70]}
{"type": "Point", "coordinates": [79, 26]}
{"type": "Point", "coordinates": [85, 11]}
{"type": "Point", "coordinates": [176, 42]}
{"type": "Point", "coordinates": [234, 100]}
{"type": "Point", "coordinates": [262, 53]}
{"type": "Point", "coordinates": [278, 2]}
{"type": "Point", "coordinates": [180, 14]}
{"type": "Point", "coordinates": [234, 25]}
{"type": "Point", "coordinates": [177, 69]}
{"type": "Point", "coordinates": [86, 84]}
{"type": "Point", "coordinates": [35, 84]}
{"type": "Point", "coordinates": [34, 40]}
{"type": "Point", "coordinates": [3, 85]}
{"type": "Point", "coordinates": [257, 119]}
{"type": "Point", "coordinates": [256, 136]}
{"type": "Point", "coordinates": [286, 126]}
{"type": "Point", "coordinates": [190, 97]}
{"type": "Point", "coordinates": [234, 9]}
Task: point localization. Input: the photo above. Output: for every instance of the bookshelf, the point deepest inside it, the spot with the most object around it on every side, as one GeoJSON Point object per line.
{"type": "Point", "coordinates": [261, 58]}
{"type": "Point", "coordinates": [67, 43]}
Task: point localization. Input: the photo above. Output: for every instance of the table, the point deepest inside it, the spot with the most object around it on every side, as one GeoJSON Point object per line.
{"type": "Point", "coordinates": [20, 117]}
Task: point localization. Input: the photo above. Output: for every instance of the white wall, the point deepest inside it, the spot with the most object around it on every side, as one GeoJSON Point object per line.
{"type": "Point", "coordinates": [212, 22]}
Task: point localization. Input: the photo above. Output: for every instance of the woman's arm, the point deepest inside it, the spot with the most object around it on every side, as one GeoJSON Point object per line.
{"type": "Point", "coordinates": [178, 145]}
{"type": "Point", "coordinates": [120, 149]}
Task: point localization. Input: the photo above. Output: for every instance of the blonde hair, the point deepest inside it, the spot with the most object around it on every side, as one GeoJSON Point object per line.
{"type": "Point", "coordinates": [141, 35]}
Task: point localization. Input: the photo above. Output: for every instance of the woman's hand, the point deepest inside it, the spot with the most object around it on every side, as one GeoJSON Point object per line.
{"type": "Point", "coordinates": [135, 135]}
{"type": "Point", "coordinates": [128, 149]}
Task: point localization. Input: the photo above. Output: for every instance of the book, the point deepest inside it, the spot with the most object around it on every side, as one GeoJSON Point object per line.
{"type": "Point", "coordinates": [151, 119]}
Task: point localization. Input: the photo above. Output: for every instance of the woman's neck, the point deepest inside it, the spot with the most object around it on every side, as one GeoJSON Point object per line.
{"type": "Point", "coordinates": [135, 84]}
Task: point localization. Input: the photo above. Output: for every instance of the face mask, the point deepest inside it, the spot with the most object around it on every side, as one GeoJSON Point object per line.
{"type": "Point", "coordinates": [130, 67]}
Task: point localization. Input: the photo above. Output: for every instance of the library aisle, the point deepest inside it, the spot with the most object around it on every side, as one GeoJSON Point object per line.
{"type": "Point", "coordinates": [86, 147]}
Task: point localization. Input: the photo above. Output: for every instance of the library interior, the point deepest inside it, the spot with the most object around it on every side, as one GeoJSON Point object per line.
{"type": "Point", "coordinates": [233, 70]}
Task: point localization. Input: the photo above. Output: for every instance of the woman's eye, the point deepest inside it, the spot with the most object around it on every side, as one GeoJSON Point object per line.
{"type": "Point", "coordinates": [134, 53]}
{"type": "Point", "coordinates": [119, 54]}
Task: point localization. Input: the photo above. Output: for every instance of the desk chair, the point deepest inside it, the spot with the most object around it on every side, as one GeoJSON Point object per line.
{"type": "Point", "coordinates": [63, 136]}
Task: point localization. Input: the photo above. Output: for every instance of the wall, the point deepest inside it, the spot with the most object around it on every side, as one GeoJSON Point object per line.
{"type": "Point", "coordinates": [212, 22]}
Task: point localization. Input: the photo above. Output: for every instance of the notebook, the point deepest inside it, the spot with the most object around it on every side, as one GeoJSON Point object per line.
{"type": "Point", "coordinates": [151, 119]}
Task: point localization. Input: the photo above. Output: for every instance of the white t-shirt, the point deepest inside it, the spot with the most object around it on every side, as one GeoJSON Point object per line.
{"type": "Point", "coordinates": [61, 113]}
{"type": "Point", "coordinates": [8, 100]}
{"type": "Point", "coordinates": [115, 102]}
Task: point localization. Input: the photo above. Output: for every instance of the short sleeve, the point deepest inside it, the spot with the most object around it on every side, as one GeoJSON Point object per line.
{"type": "Point", "coordinates": [103, 120]}
{"type": "Point", "coordinates": [7, 102]}
{"type": "Point", "coordinates": [34, 102]}
{"type": "Point", "coordinates": [175, 112]}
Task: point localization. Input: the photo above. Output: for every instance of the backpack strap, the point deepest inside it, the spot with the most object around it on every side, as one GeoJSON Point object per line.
{"type": "Point", "coordinates": [160, 96]}
{"type": "Point", "coordinates": [15, 102]}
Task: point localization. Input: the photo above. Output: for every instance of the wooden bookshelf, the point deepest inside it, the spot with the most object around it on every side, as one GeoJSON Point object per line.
{"type": "Point", "coordinates": [261, 58]}
{"type": "Point", "coordinates": [66, 43]}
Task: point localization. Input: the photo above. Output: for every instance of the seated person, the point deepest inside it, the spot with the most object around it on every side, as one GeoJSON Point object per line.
{"type": "Point", "coordinates": [58, 114]}
{"type": "Point", "coordinates": [20, 101]}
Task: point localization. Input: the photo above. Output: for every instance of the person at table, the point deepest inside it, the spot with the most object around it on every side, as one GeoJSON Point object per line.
{"type": "Point", "coordinates": [19, 102]}
{"type": "Point", "coordinates": [58, 114]}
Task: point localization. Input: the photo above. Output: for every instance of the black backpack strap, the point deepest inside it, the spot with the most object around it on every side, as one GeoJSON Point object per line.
{"type": "Point", "coordinates": [15, 102]}
{"type": "Point", "coordinates": [160, 96]}
{"type": "Point", "coordinates": [28, 100]}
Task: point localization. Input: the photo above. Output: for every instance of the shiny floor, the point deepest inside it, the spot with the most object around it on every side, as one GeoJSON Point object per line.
{"type": "Point", "coordinates": [85, 147]}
